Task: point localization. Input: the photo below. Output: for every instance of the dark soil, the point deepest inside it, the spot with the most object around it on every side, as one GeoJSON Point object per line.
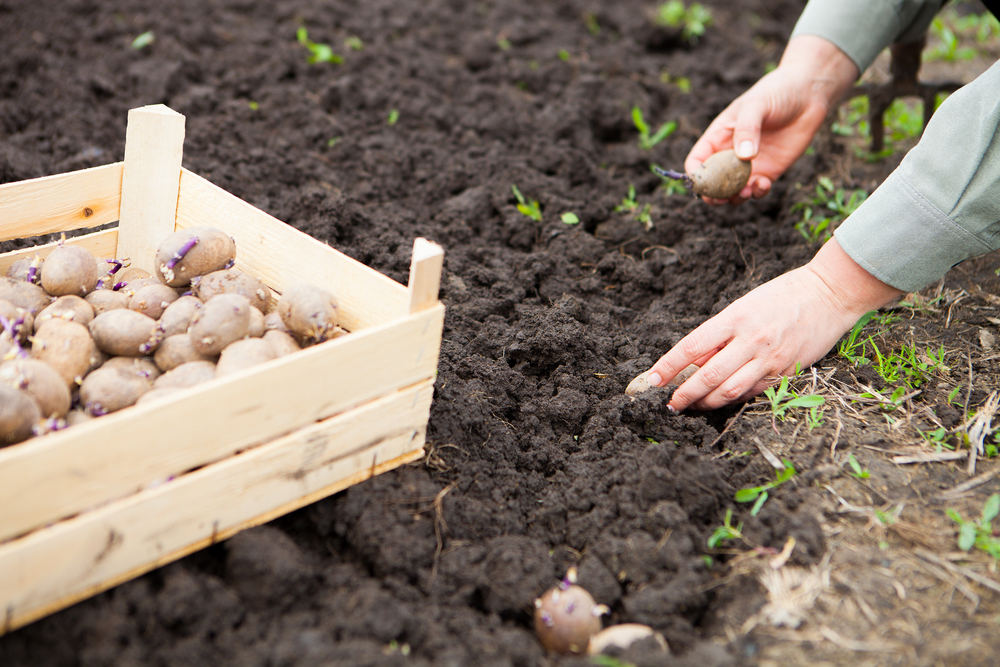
{"type": "Point", "coordinates": [536, 461]}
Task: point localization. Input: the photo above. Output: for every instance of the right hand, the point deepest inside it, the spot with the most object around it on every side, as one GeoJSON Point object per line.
{"type": "Point", "coordinates": [775, 120]}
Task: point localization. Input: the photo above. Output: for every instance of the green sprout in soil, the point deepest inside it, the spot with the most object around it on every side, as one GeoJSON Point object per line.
{"type": "Point", "coordinates": [570, 218]}
{"type": "Point", "coordinates": [393, 117]}
{"type": "Point", "coordinates": [853, 349]}
{"type": "Point", "coordinates": [354, 43]}
{"type": "Point", "coordinates": [629, 203]}
{"type": "Point", "coordinates": [979, 533]}
{"type": "Point", "coordinates": [815, 226]}
{"type": "Point", "coordinates": [563, 55]}
{"type": "Point", "coordinates": [782, 398]}
{"type": "Point", "coordinates": [593, 27]}
{"type": "Point", "coordinates": [948, 50]}
{"type": "Point", "coordinates": [856, 469]}
{"type": "Point", "coordinates": [726, 531]}
{"type": "Point", "coordinates": [318, 53]}
{"type": "Point", "coordinates": [692, 20]}
{"type": "Point", "coordinates": [903, 120]}
{"type": "Point", "coordinates": [682, 82]}
{"type": "Point", "coordinates": [143, 40]}
{"type": "Point", "coordinates": [646, 140]}
{"type": "Point", "coordinates": [528, 208]}
{"type": "Point", "coordinates": [758, 494]}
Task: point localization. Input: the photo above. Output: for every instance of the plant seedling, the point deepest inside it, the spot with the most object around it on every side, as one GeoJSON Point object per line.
{"type": "Point", "coordinates": [850, 348]}
{"type": "Point", "coordinates": [528, 208]}
{"type": "Point", "coordinates": [646, 140]}
{"type": "Point", "coordinates": [979, 533]}
{"type": "Point", "coordinates": [759, 493]}
{"type": "Point", "coordinates": [782, 398]}
{"type": "Point", "coordinates": [726, 531]}
{"type": "Point", "coordinates": [815, 227]}
{"type": "Point", "coordinates": [393, 117]}
{"type": "Point", "coordinates": [692, 20]}
{"type": "Point", "coordinates": [856, 469]}
{"type": "Point", "coordinates": [318, 53]}
{"type": "Point", "coordinates": [354, 43]}
{"type": "Point", "coordinates": [143, 40]}
{"type": "Point", "coordinates": [570, 218]}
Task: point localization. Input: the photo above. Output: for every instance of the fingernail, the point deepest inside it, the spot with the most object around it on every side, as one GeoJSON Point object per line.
{"type": "Point", "coordinates": [654, 379]}
{"type": "Point", "coordinates": [745, 149]}
{"type": "Point", "coordinates": [671, 408]}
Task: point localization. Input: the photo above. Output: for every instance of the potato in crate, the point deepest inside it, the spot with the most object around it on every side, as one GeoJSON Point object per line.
{"type": "Point", "coordinates": [85, 508]}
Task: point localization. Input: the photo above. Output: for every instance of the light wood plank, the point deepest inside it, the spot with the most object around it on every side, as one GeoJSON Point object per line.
{"type": "Point", "coordinates": [280, 255]}
{"type": "Point", "coordinates": [57, 566]}
{"type": "Point", "coordinates": [100, 244]}
{"type": "Point", "coordinates": [49, 478]}
{"type": "Point", "coordinates": [61, 203]}
{"type": "Point", "coordinates": [154, 143]}
{"type": "Point", "coordinates": [425, 274]}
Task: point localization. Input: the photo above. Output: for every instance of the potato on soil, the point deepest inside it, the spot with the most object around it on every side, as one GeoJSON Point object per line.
{"type": "Point", "coordinates": [721, 176]}
{"type": "Point", "coordinates": [69, 307]}
{"type": "Point", "coordinates": [281, 342]}
{"type": "Point", "coordinates": [102, 300]}
{"type": "Point", "coordinates": [24, 295]}
{"type": "Point", "coordinates": [18, 415]}
{"type": "Point", "coordinates": [40, 381]}
{"type": "Point", "coordinates": [622, 636]}
{"type": "Point", "coordinates": [108, 390]}
{"type": "Point", "coordinates": [309, 312]}
{"type": "Point", "coordinates": [566, 617]}
{"type": "Point", "coordinates": [70, 269]}
{"type": "Point", "coordinates": [192, 252]}
{"type": "Point", "coordinates": [243, 354]}
{"type": "Point", "coordinates": [124, 333]}
{"type": "Point", "coordinates": [68, 347]}
{"type": "Point", "coordinates": [220, 321]}
{"type": "Point", "coordinates": [186, 375]}
{"type": "Point", "coordinates": [177, 317]}
{"type": "Point", "coordinates": [21, 321]}
{"type": "Point", "coordinates": [21, 269]}
{"type": "Point", "coordinates": [142, 366]}
{"type": "Point", "coordinates": [152, 300]}
{"type": "Point", "coordinates": [233, 281]}
{"type": "Point", "coordinates": [176, 350]}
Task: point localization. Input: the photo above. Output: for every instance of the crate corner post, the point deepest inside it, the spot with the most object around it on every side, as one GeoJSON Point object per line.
{"type": "Point", "coordinates": [154, 146]}
{"type": "Point", "coordinates": [425, 274]}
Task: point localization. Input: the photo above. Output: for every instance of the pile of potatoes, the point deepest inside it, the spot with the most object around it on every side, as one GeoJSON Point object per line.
{"type": "Point", "coordinates": [84, 336]}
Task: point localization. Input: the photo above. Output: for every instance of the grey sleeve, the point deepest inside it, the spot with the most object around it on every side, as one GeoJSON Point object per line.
{"type": "Point", "coordinates": [862, 28]}
{"type": "Point", "coordinates": [942, 204]}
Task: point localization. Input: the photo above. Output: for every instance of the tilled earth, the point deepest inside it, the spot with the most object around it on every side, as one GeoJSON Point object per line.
{"type": "Point", "coordinates": [536, 461]}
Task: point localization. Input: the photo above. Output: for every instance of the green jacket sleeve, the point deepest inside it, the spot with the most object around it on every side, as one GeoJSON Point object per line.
{"type": "Point", "coordinates": [942, 204]}
{"type": "Point", "coordinates": [862, 28]}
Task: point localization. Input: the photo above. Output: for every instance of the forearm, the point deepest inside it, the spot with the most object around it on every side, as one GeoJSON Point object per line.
{"type": "Point", "coordinates": [825, 71]}
{"type": "Point", "coordinates": [851, 290]}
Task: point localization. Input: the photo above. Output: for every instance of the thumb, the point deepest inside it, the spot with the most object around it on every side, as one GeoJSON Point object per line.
{"type": "Point", "coordinates": [746, 132]}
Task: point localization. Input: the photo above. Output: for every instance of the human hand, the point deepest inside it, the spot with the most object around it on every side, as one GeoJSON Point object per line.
{"type": "Point", "coordinates": [775, 120]}
{"type": "Point", "coordinates": [794, 319]}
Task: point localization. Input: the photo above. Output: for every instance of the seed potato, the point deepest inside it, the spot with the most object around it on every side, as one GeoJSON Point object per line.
{"type": "Point", "coordinates": [107, 390]}
{"type": "Point", "coordinates": [21, 321]}
{"type": "Point", "coordinates": [70, 269]}
{"type": "Point", "coordinates": [177, 317]}
{"type": "Point", "coordinates": [68, 347]}
{"type": "Point", "coordinates": [142, 366]}
{"type": "Point", "coordinates": [69, 307]}
{"type": "Point", "coordinates": [721, 176]}
{"type": "Point", "coordinates": [220, 321]}
{"type": "Point", "coordinates": [566, 617]}
{"type": "Point", "coordinates": [124, 333]}
{"type": "Point", "coordinates": [22, 269]}
{"type": "Point", "coordinates": [18, 415]}
{"type": "Point", "coordinates": [233, 281]}
{"type": "Point", "coordinates": [151, 300]}
{"type": "Point", "coordinates": [176, 350]}
{"type": "Point", "coordinates": [192, 252]}
{"type": "Point", "coordinates": [281, 342]}
{"type": "Point", "coordinates": [243, 354]}
{"type": "Point", "coordinates": [309, 312]}
{"type": "Point", "coordinates": [186, 375]}
{"type": "Point", "coordinates": [24, 295]}
{"type": "Point", "coordinates": [107, 299]}
{"type": "Point", "coordinates": [40, 381]}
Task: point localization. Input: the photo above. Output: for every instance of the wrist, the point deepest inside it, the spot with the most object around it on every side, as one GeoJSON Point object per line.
{"type": "Point", "coordinates": [825, 72]}
{"type": "Point", "coordinates": [851, 289]}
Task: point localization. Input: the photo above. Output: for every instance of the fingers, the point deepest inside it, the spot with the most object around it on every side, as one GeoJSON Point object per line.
{"type": "Point", "coordinates": [729, 375]}
{"type": "Point", "coordinates": [746, 131]}
{"type": "Point", "coordinates": [698, 346]}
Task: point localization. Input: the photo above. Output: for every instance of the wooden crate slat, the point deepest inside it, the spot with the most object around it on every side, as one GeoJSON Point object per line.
{"type": "Point", "coordinates": [61, 203]}
{"type": "Point", "coordinates": [100, 244]}
{"type": "Point", "coordinates": [55, 567]}
{"type": "Point", "coordinates": [49, 478]}
{"type": "Point", "coordinates": [279, 254]}
{"type": "Point", "coordinates": [154, 145]}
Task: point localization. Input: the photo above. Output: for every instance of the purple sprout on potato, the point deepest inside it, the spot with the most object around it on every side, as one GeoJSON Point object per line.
{"type": "Point", "coordinates": [567, 616]}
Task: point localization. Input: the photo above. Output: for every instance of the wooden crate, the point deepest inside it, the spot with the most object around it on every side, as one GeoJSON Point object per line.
{"type": "Point", "coordinates": [84, 509]}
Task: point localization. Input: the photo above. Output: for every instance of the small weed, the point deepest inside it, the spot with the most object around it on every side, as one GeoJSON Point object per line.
{"type": "Point", "coordinates": [726, 531]}
{"type": "Point", "coordinates": [143, 40]}
{"type": "Point", "coordinates": [570, 218]}
{"type": "Point", "coordinates": [318, 53]}
{"type": "Point", "coordinates": [645, 216]}
{"type": "Point", "coordinates": [528, 208]}
{"type": "Point", "coordinates": [563, 55]}
{"type": "Point", "coordinates": [393, 117]}
{"type": "Point", "coordinates": [608, 661]}
{"type": "Point", "coordinates": [354, 43]}
{"type": "Point", "coordinates": [938, 437]}
{"type": "Point", "coordinates": [759, 493]}
{"type": "Point", "coordinates": [692, 20]}
{"type": "Point", "coordinates": [646, 140]}
{"type": "Point", "coordinates": [332, 141]}
{"type": "Point", "coordinates": [682, 82]}
{"type": "Point", "coordinates": [593, 27]}
{"type": "Point", "coordinates": [850, 348]}
{"type": "Point", "coordinates": [948, 50]}
{"type": "Point", "coordinates": [901, 121]}
{"type": "Point", "coordinates": [979, 533]}
{"type": "Point", "coordinates": [814, 418]}
{"type": "Point", "coordinates": [782, 398]}
{"type": "Point", "coordinates": [856, 469]}
{"type": "Point", "coordinates": [254, 106]}
{"type": "Point", "coordinates": [814, 226]}
{"type": "Point", "coordinates": [629, 203]}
